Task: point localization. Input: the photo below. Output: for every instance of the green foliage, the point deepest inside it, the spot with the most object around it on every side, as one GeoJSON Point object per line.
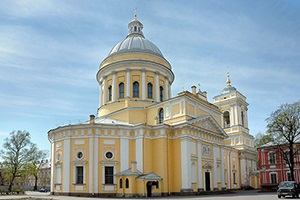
{"type": "Point", "coordinates": [15, 154]}
{"type": "Point", "coordinates": [261, 139]}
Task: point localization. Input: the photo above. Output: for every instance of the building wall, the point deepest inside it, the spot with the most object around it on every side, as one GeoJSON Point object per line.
{"type": "Point", "coordinates": [279, 167]}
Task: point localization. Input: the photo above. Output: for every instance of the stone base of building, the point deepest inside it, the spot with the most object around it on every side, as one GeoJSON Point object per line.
{"type": "Point", "coordinates": [187, 192]}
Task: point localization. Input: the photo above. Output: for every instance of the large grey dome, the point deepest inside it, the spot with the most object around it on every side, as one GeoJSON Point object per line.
{"type": "Point", "coordinates": [135, 41]}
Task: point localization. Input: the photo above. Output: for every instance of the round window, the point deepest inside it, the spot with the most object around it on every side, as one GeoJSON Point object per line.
{"type": "Point", "coordinates": [79, 155]}
{"type": "Point", "coordinates": [109, 155]}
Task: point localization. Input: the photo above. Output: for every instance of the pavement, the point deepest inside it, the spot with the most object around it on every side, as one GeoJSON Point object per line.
{"type": "Point", "coordinates": [46, 196]}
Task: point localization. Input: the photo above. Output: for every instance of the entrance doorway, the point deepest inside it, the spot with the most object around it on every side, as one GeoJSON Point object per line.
{"type": "Point", "coordinates": [149, 187]}
{"type": "Point", "coordinates": [207, 181]}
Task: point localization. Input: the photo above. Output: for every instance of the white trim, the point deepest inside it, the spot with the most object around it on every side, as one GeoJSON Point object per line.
{"type": "Point", "coordinates": [95, 166]}
{"type": "Point", "coordinates": [66, 166]}
{"type": "Point", "coordinates": [52, 164]}
{"type": "Point", "coordinates": [128, 82]}
{"type": "Point", "coordinates": [276, 176]}
{"type": "Point", "coordinates": [157, 86]}
{"type": "Point", "coordinates": [200, 185]}
{"type": "Point", "coordinates": [91, 164]}
{"type": "Point", "coordinates": [114, 86]}
{"type": "Point", "coordinates": [185, 163]}
{"type": "Point", "coordinates": [269, 158]}
{"type": "Point", "coordinates": [216, 178]}
{"type": "Point", "coordinates": [144, 91]}
{"type": "Point", "coordinates": [124, 157]}
{"type": "Point", "coordinates": [139, 153]}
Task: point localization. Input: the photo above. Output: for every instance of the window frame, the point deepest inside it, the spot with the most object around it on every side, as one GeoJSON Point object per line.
{"type": "Point", "coordinates": [135, 89]}
{"type": "Point", "coordinates": [272, 178]}
{"type": "Point", "coordinates": [161, 93]}
{"type": "Point", "coordinates": [79, 177]}
{"type": "Point", "coordinates": [108, 178]}
{"type": "Point", "coordinates": [150, 91]}
{"type": "Point", "coordinates": [226, 119]}
{"type": "Point", "coordinates": [121, 90]}
{"type": "Point", "coordinates": [161, 116]}
{"type": "Point", "coordinates": [272, 159]}
{"type": "Point", "coordinates": [109, 93]}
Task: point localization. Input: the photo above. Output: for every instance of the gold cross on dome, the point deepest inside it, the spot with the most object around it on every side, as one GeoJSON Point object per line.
{"type": "Point", "coordinates": [135, 12]}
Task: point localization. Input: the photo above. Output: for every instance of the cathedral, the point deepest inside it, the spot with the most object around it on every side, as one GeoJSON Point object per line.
{"type": "Point", "coordinates": [145, 142]}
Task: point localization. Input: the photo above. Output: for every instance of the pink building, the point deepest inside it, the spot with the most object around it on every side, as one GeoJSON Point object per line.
{"type": "Point", "coordinates": [273, 168]}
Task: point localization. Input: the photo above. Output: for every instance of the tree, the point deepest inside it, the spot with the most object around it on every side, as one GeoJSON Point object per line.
{"type": "Point", "coordinates": [15, 154]}
{"type": "Point", "coordinates": [37, 161]}
{"type": "Point", "coordinates": [261, 139]}
{"type": "Point", "coordinates": [284, 126]}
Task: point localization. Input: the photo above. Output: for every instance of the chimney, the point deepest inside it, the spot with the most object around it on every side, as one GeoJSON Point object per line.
{"type": "Point", "coordinates": [134, 166]}
{"type": "Point", "coordinates": [194, 89]}
{"type": "Point", "coordinates": [92, 119]}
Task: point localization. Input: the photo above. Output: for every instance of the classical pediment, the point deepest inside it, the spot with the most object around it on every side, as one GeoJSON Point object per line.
{"type": "Point", "coordinates": [207, 166]}
{"type": "Point", "coordinates": [208, 123]}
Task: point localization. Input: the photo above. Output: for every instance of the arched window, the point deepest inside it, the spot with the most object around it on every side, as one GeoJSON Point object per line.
{"type": "Point", "coordinates": [161, 93]}
{"type": "Point", "coordinates": [226, 118]}
{"type": "Point", "coordinates": [109, 93]}
{"type": "Point", "coordinates": [150, 91]}
{"type": "Point", "coordinates": [242, 118]}
{"type": "Point", "coordinates": [127, 183]}
{"type": "Point", "coordinates": [121, 183]}
{"type": "Point", "coordinates": [136, 89]}
{"type": "Point", "coordinates": [135, 29]}
{"type": "Point", "coordinates": [161, 116]}
{"type": "Point", "coordinates": [121, 90]}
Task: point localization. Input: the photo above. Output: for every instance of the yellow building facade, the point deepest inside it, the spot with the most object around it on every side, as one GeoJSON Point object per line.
{"type": "Point", "coordinates": [143, 141]}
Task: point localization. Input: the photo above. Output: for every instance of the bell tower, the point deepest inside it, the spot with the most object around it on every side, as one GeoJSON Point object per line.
{"type": "Point", "coordinates": [234, 121]}
{"type": "Point", "coordinates": [234, 107]}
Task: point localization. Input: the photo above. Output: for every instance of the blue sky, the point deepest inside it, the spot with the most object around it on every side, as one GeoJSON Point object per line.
{"type": "Point", "coordinates": [50, 52]}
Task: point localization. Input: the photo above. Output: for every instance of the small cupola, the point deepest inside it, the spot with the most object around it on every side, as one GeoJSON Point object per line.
{"type": "Point", "coordinates": [135, 27]}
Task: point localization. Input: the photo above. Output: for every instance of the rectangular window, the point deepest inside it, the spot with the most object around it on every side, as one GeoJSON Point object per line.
{"type": "Point", "coordinates": [272, 158]}
{"type": "Point", "coordinates": [79, 175]}
{"type": "Point", "coordinates": [273, 178]}
{"type": "Point", "coordinates": [109, 175]}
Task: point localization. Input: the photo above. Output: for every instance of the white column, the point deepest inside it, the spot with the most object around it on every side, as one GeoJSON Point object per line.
{"type": "Point", "coordinates": [236, 116]}
{"type": "Point", "coordinates": [246, 118]}
{"type": "Point", "coordinates": [52, 166]}
{"type": "Point", "coordinates": [229, 170]}
{"type": "Point", "coordinates": [243, 170]}
{"type": "Point", "coordinates": [124, 157]}
{"type": "Point", "coordinates": [200, 185]}
{"type": "Point", "coordinates": [157, 85]}
{"type": "Point", "coordinates": [222, 168]}
{"type": "Point", "coordinates": [91, 164]}
{"type": "Point", "coordinates": [166, 87]}
{"type": "Point", "coordinates": [215, 150]}
{"type": "Point", "coordinates": [66, 166]}
{"type": "Point", "coordinates": [100, 94]}
{"type": "Point", "coordinates": [239, 116]}
{"type": "Point", "coordinates": [144, 91]}
{"type": "Point", "coordinates": [185, 164]}
{"type": "Point", "coordinates": [104, 90]}
{"type": "Point", "coordinates": [232, 123]}
{"type": "Point", "coordinates": [114, 86]}
{"type": "Point", "coordinates": [96, 165]}
{"type": "Point", "coordinates": [139, 152]}
{"type": "Point", "coordinates": [128, 82]}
